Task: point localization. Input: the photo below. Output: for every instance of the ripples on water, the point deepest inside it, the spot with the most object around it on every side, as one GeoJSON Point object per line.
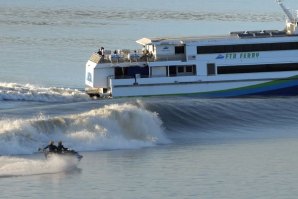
{"type": "Point", "coordinates": [23, 16]}
{"type": "Point", "coordinates": [55, 38]}
{"type": "Point", "coordinates": [192, 148]}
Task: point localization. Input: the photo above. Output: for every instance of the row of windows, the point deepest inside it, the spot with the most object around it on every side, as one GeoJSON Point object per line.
{"type": "Point", "coordinates": [247, 47]}
{"type": "Point", "coordinates": [182, 70]}
{"type": "Point", "coordinates": [257, 68]}
{"type": "Point", "coordinates": [130, 72]}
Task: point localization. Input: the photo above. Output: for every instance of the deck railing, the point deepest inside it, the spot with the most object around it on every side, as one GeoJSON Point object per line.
{"type": "Point", "coordinates": [130, 58]}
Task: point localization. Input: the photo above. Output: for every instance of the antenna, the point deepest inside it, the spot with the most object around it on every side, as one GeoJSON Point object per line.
{"type": "Point", "coordinates": [287, 11]}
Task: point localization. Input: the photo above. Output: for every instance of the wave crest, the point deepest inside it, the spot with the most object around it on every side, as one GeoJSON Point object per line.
{"type": "Point", "coordinates": [113, 126]}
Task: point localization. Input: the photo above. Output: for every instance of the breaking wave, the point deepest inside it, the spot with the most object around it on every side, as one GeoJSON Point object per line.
{"type": "Point", "coordinates": [148, 122]}
{"type": "Point", "coordinates": [29, 92]}
{"type": "Point", "coordinates": [244, 117]}
{"type": "Point", "coordinates": [113, 126]}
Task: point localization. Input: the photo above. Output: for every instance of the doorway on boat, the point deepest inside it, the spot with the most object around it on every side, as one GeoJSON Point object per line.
{"type": "Point", "coordinates": [210, 69]}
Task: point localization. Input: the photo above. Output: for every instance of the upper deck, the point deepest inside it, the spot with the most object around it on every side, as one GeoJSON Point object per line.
{"type": "Point", "coordinates": [233, 36]}
{"type": "Point", "coordinates": [187, 48]}
{"type": "Point", "coordinates": [177, 49]}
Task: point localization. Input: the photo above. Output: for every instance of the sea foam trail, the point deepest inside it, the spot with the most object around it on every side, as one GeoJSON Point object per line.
{"type": "Point", "coordinates": [116, 126]}
{"type": "Point", "coordinates": [13, 166]}
{"type": "Point", "coordinates": [29, 92]}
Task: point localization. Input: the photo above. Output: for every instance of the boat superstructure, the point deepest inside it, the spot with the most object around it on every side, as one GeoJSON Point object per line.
{"type": "Point", "coordinates": [261, 62]}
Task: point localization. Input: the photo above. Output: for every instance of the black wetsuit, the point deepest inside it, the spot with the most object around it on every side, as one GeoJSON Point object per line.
{"type": "Point", "coordinates": [61, 148]}
{"type": "Point", "coordinates": [51, 147]}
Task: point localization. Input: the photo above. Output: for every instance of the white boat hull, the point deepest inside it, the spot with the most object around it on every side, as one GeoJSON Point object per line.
{"type": "Point", "coordinates": [211, 88]}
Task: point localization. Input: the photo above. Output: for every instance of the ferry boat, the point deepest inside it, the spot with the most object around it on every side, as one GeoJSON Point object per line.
{"type": "Point", "coordinates": [243, 63]}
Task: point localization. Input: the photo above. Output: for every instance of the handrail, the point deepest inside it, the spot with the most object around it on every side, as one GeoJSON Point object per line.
{"type": "Point", "coordinates": [96, 58]}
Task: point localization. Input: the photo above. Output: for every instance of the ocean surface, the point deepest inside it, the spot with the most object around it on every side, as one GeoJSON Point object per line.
{"type": "Point", "coordinates": [157, 147]}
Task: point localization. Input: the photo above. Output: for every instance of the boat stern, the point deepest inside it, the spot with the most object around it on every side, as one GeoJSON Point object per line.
{"type": "Point", "coordinates": [97, 79]}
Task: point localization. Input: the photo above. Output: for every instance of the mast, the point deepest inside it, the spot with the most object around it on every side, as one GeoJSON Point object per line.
{"type": "Point", "coordinates": [291, 22]}
{"type": "Point", "coordinates": [291, 18]}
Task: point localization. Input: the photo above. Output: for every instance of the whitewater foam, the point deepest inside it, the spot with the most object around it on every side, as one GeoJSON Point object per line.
{"type": "Point", "coordinates": [115, 126]}
{"type": "Point", "coordinates": [14, 166]}
{"type": "Point", "coordinates": [29, 92]}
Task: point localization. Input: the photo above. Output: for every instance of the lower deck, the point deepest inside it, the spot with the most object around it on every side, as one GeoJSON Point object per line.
{"type": "Point", "coordinates": [226, 85]}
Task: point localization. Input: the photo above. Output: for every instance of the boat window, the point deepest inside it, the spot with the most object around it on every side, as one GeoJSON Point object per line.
{"type": "Point", "coordinates": [179, 50]}
{"type": "Point", "coordinates": [257, 68]}
{"type": "Point", "coordinates": [130, 72]}
{"type": "Point", "coordinates": [172, 71]}
{"type": "Point", "coordinates": [185, 70]}
{"type": "Point", "coordinates": [194, 69]}
{"type": "Point", "coordinates": [211, 69]}
{"type": "Point", "coordinates": [180, 69]}
{"type": "Point", "coordinates": [237, 48]}
{"type": "Point", "coordinates": [189, 69]}
{"type": "Point", "coordinates": [144, 71]}
{"type": "Point", "coordinates": [118, 72]}
{"type": "Point", "coordinates": [247, 47]}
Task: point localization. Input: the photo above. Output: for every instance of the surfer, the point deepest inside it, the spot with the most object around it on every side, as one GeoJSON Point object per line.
{"type": "Point", "coordinates": [52, 147]}
{"type": "Point", "coordinates": [61, 148]}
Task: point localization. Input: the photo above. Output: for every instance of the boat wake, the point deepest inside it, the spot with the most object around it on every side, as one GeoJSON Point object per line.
{"type": "Point", "coordinates": [29, 92]}
{"type": "Point", "coordinates": [232, 117]}
{"type": "Point", "coordinates": [14, 166]}
{"type": "Point", "coordinates": [114, 126]}
{"type": "Point", "coordinates": [149, 122]}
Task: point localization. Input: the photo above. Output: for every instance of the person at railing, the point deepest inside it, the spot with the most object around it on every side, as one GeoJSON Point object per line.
{"type": "Point", "coordinates": [115, 57]}
{"type": "Point", "coordinates": [101, 53]}
{"type": "Point", "coordinates": [147, 55]}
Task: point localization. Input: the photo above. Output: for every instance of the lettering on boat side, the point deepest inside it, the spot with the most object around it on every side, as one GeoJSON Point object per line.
{"type": "Point", "coordinates": [246, 55]}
